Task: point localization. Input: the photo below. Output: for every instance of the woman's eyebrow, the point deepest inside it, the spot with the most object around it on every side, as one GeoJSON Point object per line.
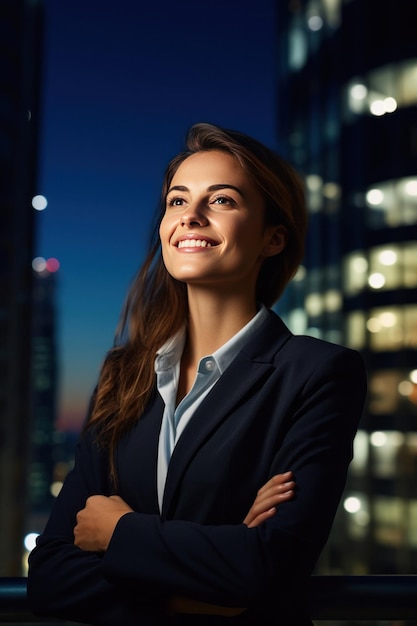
{"type": "Point", "coordinates": [211, 188]}
{"type": "Point", "coordinates": [177, 188]}
{"type": "Point", "coordinates": [225, 186]}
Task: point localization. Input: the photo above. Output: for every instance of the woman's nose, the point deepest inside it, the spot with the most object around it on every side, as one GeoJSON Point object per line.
{"type": "Point", "coordinates": [193, 215]}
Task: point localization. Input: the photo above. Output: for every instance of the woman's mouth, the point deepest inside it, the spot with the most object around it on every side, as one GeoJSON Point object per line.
{"type": "Point", "coordinates": [194, 243]}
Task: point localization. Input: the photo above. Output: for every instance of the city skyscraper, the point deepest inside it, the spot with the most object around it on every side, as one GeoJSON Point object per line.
{"type": "Point", "coordinates": [347, 118]}
{"type": "Point", "coordinates": [20, 67]}
{"type": "Point", "coordinates": [45, 373]}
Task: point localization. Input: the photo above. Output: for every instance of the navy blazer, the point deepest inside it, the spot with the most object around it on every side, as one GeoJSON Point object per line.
{"type": "Point", "coordinates": [285, 403]}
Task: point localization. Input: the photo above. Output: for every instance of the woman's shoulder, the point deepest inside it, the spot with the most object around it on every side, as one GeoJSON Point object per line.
{"type": "Point", "coordinates": [306, 346]}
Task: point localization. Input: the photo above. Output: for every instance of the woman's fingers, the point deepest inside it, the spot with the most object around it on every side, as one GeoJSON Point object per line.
{"type": "Point", "coordinates": [277, 490]}
{"type": "Point", "coordinates": [275, 482]}
{"type": "Point", "coordinates": [256, 521]}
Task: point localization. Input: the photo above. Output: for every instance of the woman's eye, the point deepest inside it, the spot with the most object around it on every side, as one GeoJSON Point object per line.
{"type": "Point", "coordinates": [224, 200]}
{"type": "Point", "coordinates": [175, 202]}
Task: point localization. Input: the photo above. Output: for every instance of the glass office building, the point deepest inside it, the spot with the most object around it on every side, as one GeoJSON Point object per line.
{"type": "Point", "coordinates": [347, 119]}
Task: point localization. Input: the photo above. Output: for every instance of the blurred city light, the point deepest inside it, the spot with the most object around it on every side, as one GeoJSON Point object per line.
{"type": "Point", "coordinates": [378, 439]}
{"type": "Point", "coordinates": [374, 196]}
{"type": "Point", "coordinates": [56, 487]}
{"type": "Point", "coordinates": [39, 264]}
{"type": "Point", "coordinates": [352, 504]}
{"type": "Point", "coordinates": [388, 257]}
{"type": "Point", "coordinates": [376, 280]}
{"type": "Point", "coordinates": [52, 265]}
{"type": "Point", "coordinates": [42, 265]}
{"type": "Point", "coordinates": [358, 91]}
{"type": "Point", "coordinates": [411, 187]}
{"type": "Point", "coordinates": [39, 203]}
{"type": "Point", "coordinates": [30, 541]}
{"type": "Point", "coordinates": [315, 22]}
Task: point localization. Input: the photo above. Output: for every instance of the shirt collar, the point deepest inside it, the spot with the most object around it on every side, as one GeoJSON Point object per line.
{"type": "Point", "coordinates": [170, 353]}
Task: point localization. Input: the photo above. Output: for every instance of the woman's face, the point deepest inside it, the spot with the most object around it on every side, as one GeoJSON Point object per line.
{"type": "Point", "coordinates": [212, 232]}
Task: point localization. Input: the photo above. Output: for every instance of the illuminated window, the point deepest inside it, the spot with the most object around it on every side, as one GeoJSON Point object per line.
{"type": "Point", "coordinates": [383, 391]}
{"type": "Point", "coordinates": [331, 11]}
{"type": "Point", "coordinates": [393, 328]}
{"type": "Point", "coordinates": [297, 48]}
{"type": "Point", "coordinates": [383, 90]}
{"type": "Point", "coordinates": [390, 328]}
{"type": "Point", "coordinates": [355, 273]}
{"type": "Point", "coordinates": [386, 448]}
{"type": "Point", "coordinates": [314, 304]}
{"type": "Point", "coordinates": [391, 266]}
{"type": "Point", "coordinates": [355, 330]}
{"type": "Point", "coordinates": [297, 321]}
{"type": "Point", "coordinates": [317, 14]}
{"type": "Point", "coordinates": [392, 203]}
{"type": "Point", "coordinates": [360, 453]}
{"type": "Point", "coordinates": [391, 521]}
{"type": "Point", "coordinates": [396, 263]}
{"type": "Point", "coordinates": [412, 527]}
{"type": "Point", "coordinates": [314, 184]}
{"type": "Point", "coordinates": [408, 460]}
{"type": "Point", "coordinates": [321, 193]}
{"type": "Point", "coordinates": [356, 506]}
{"type": "Point", "coordinates": [410, 265]}
{"type": "Point", "coordinates": [386, 262]}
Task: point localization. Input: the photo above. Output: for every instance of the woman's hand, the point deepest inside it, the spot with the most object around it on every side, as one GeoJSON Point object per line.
{"type": "Point", "coordinates": [278, 489]}
{"type": "Point", "coordinates": [97, 520]}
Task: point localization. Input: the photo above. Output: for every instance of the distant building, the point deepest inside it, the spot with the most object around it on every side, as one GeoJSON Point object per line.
{"type": "Point", "coordinates": [20, 61]}
{"type": "Point", "coordinates": [44, 397]}
{"type": "Point", "coordinates": [347, 117]}
{"type": "Point", "coordinates": [51, 452]}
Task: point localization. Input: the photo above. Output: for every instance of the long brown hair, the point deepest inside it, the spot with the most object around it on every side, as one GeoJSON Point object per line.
{"type": "Point", "coordinates": [156, 305]}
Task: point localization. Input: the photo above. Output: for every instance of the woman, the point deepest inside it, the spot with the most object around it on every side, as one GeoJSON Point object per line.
{"type": "Point", "coordinates": [208, 396]}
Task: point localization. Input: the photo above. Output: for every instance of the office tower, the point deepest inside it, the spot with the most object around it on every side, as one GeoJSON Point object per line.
{"type": "Point", "coordinates": [347, 117]}
{"type": "Point", "coordinates": [44, 395]}
{"type": "Point", "coordinates": [20, 36]}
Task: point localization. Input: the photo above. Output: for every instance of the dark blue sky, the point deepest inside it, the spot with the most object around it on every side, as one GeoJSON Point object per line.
{"type": "Point", "coordinates": [122, 83]}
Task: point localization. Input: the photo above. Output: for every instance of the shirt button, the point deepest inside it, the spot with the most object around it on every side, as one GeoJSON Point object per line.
{"type": "Point", "coordinates": [210, 365]}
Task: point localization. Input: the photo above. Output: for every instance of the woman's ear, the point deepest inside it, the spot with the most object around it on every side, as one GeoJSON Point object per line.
{"type": "Point", "coordinates": [276, 240]}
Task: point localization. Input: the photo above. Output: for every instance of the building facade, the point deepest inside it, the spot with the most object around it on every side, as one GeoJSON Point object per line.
{"type": "Point", "coordinates": [45, 373]}
{"type": "Point", "coordinates": [347, 119]}
{"type": "Point", "coordinates": [20, 54]}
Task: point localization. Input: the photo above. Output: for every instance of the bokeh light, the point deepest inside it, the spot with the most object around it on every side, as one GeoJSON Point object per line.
{"type": "Point", "coordinates": [39, 203]}
{"type": "Point", "coordinates": [39, 264]}
{"type": "Point", "coordinates": [30, 541]}
{"type": "Point", "coordinates": [52, 265]}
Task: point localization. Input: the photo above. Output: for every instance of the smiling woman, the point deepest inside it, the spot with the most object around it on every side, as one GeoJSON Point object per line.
{"type": "Point", "coordinates": [208, 476]}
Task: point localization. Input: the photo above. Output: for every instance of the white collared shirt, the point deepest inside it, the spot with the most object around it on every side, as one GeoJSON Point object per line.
{"type": "Point", "coordinates": [210, 368]}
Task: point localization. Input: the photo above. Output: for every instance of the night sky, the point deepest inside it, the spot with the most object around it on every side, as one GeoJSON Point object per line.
{"type": "Point", "coordinates": [122, 82]}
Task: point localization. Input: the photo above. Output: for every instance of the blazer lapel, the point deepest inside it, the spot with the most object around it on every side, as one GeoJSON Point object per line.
{"type": "Point", "coordinates": [255, 360]}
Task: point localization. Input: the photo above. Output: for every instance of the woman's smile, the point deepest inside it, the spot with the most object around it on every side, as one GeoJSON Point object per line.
{"type": "Point", "coordinates": [192, 243]}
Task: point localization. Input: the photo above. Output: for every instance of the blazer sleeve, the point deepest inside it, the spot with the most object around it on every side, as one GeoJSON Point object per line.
{"type": "Point", "coordinates": [237, 566]}
{"type": "Point", "coordinates": [69, 583]}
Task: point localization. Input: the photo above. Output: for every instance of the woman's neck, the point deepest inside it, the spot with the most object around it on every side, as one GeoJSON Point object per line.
{"type": "Point", "coordinates": [213, 320]}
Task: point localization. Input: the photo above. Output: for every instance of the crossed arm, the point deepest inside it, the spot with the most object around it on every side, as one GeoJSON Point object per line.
{"type": "Point", "coordinates": [98, 519]}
